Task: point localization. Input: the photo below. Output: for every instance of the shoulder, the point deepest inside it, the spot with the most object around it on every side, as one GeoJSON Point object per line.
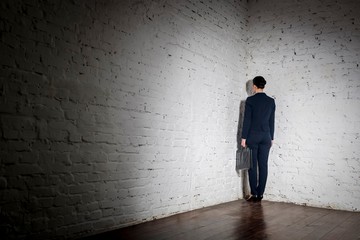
{"type": "Point", "coordinates": [251, 99]}
{"type": "Point", "coordinates": [269, 98]}
{"type": "Point", "coordinates": [271, 101]}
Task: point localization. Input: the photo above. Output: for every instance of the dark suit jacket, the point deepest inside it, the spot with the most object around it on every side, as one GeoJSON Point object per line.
{"type": "Point", "coordinates": [259, 115]}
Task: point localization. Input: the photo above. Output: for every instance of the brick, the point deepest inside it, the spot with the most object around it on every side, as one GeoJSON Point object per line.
{"type": "Point", "coordinates": [60, 201]}
{"type": "Point", "coordinates": [3, 183]}
{"type": "Point", "coordinates": [22, 169]}
{"type": "Point", "coordinates": [83, 188]}
{"type": "Point", "coordinates": [78, 228]}
{"type": "Point", "coordinates": [29, 157]}
{"type": "Point", "coordinates": [39, 224]}
{"type": "Point", "coordinates": [75, 200]}
{"type": "Point", "coordinates": [106, 223]}
{"type": "Point", "coordinates": [95, 215]}
{"type": "Point", "coordinates": [11, 134]}
{"type": "Point", "coordinates": [88, 207]}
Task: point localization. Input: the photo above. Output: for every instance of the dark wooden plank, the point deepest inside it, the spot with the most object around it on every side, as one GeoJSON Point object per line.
{"type": "Point", "coordinates": [348, 229]}
{"type": "Point", "coordinates": [327, 223]}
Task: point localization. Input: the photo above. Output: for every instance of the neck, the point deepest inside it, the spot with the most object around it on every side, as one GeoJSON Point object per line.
{"type": "Point", "coordinates": [259, 90]}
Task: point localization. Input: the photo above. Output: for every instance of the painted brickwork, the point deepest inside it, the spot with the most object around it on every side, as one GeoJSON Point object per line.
{"type": "Point", "coordinates": [310, 51]}
{"type": "Point", "coordinates": [116, 112]}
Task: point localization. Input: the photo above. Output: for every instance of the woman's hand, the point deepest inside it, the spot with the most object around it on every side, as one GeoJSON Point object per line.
{"type": "Point", "coordinates": [243, 142]}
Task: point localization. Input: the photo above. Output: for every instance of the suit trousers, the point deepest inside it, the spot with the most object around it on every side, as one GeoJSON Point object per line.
{"type": "Point", "coordinates": [260, 144]}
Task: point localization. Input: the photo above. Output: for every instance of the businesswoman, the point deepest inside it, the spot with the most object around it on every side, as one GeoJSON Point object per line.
{"type": "Point", "coordinates": [258, 135]}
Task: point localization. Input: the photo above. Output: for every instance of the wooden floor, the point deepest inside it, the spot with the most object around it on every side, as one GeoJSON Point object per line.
{"type": "Point", "coordinates": [243, 220]}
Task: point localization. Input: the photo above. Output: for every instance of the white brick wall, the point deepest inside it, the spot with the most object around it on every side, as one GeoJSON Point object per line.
{"type": "Point", "coordinates": [309, 52]}
{"type": "Point", "coordinates": [116, 112]}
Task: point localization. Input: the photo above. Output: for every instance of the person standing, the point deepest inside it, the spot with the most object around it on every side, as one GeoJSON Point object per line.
{"type": "Point", "coordinates": [258, 135]}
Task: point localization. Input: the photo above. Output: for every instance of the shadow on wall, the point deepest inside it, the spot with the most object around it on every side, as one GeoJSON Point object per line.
{"type": "Point", "coordinates": [243, 173]}
{"type": "Point", "coordinates": [56, 140]}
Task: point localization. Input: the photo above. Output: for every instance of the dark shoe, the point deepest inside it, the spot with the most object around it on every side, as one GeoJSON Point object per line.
{"type": "Point", "coordinates": [251, 198]}
{"type": "Point", "coordinates": [259, 198]}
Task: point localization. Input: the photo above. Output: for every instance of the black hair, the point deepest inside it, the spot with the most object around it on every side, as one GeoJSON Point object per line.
{"type": "Point", "coordinates": [259, 82]}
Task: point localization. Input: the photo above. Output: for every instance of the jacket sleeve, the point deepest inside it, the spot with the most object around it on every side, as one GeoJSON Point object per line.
{"type": "Point", "coordinates": [247, 120]}
{"type": "Point", "coordinates": [272, 121]}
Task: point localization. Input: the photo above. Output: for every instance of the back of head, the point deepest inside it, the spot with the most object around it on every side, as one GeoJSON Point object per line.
{"type": "Point", "coordinates": [259, 82]}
